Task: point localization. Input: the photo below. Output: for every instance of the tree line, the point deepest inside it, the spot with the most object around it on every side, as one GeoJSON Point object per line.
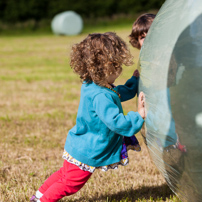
{"type": "Point", "coordinates": [23, 10]}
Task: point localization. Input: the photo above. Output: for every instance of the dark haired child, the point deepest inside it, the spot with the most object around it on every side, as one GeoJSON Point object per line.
{"type": "Point", "coordinates": [139, 31]}
{"type": "Point", "coordinates": [140, 28]}
{"type": "Point", "coordinates": [96, 141]}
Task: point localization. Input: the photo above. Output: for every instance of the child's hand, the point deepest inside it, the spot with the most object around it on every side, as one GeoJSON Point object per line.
{"type": "Point", "coordinates": [136, 73]}
{"type": "Point", "coordinates": [141, 104]}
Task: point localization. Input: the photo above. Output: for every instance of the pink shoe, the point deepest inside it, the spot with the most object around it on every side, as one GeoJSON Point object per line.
{"type": "Point", "coordinates": [181, 147]}
{"type": "Point", "coordinates": [33, 199]}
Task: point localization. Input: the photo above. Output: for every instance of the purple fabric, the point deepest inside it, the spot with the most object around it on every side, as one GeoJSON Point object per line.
{"type": "Point", "coordinates": [126, 142]}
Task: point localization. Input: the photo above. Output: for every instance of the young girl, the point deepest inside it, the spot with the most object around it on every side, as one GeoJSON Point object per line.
{"type": "Point", "coordinates": [96, 141]}
{"type": "Point", "coordinates": [140, 28]}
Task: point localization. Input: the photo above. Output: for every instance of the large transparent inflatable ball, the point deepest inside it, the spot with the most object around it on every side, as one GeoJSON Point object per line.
{"type": "Point", "coordinates": [67, 23]}
{"type": "Point", "coordinates": [171, 78]}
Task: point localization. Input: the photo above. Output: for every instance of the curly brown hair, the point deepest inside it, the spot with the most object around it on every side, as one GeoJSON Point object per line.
{"type": "Point", "coordinates": [140, 28]}
{"type": "Point", "coordinates": [99, 56]}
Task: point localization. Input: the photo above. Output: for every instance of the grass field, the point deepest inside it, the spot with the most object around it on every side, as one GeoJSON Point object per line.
{"type": "Point", "coordinates": [39, 97]}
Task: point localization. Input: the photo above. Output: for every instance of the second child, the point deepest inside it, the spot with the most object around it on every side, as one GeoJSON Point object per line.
{"type": "Point", "coordinates": [140, 28]}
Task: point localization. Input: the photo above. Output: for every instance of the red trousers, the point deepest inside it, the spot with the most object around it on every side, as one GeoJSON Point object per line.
{"type": "Point", "coordinates": [64, 182]}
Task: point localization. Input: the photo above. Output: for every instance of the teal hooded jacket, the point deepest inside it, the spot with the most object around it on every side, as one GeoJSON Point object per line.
{"type": "Point", "coordinates": [96, 139]}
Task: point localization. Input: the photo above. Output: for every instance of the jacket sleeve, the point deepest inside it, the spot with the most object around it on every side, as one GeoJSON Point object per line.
{"type": "Point", "coordinates": [110, 115]}
{"type": "Point", "coordinates": [129, 89]}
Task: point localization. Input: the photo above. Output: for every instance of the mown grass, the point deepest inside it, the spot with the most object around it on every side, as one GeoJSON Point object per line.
{"type": "Point", "coordinates": [39, 97]}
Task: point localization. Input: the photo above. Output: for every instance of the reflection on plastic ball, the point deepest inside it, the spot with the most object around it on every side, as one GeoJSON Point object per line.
{"type": "Point", "coordinates": [171, 78]}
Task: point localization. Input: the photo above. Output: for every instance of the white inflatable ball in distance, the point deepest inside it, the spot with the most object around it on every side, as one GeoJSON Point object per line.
{"type": "Point", "coordinates": [67, 23]}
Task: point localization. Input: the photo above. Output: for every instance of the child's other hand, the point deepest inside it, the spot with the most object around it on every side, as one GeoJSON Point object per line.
{"type": "Point", "coordinates": [136, 73]}
{"type": "Point", "coordinates": [141, 105]}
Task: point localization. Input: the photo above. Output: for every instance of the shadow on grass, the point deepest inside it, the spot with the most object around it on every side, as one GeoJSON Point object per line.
{"type": "Point", "coordinates": [143, 193]}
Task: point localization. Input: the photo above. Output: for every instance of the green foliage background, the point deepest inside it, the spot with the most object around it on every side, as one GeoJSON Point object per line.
{"type": "Point", "coordinates": [22, 10]}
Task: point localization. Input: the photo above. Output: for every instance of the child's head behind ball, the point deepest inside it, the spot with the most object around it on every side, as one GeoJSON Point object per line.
{"type": "Point", "coordinates": [99, 56]}
{"type": "Point", "coordinates": [140, 28]}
